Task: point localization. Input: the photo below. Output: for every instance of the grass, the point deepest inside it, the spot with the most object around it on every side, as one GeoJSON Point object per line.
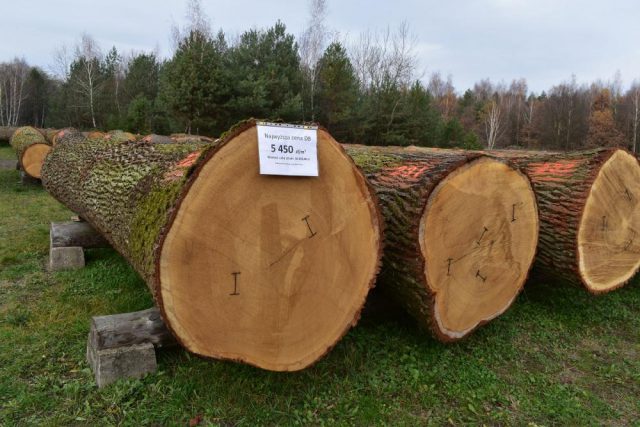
{"type": "Point", "coordinates": [6, 152]}
{"type": "Point", "coordinates": [557, 357]}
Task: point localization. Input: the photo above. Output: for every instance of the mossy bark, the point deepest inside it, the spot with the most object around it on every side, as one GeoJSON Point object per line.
{"type": "Point", "coordinates": [403, 180]}
{"type": "Point", "coordinates": [138, 193]}
{"type": "Point", "coordinates": [125, 189]}
{"type": "Point", "coordinates": [25, 137]}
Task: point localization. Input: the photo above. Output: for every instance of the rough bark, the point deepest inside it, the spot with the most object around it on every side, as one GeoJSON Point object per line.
{"type": "Point", "coordinates": [562, 183]}
{"type": "Point", "coordinates": [31, 148]}
{"type": "Point", "coordinates": [124, 189]}
{"type": "Point", "coordinates": [133, 191]}
{"type": "Point", "coordinates": [184, 137]}
{"type": "Point", "coordinates": [404, 179]}
{"type": "Point", "coordinates": [24, 137]}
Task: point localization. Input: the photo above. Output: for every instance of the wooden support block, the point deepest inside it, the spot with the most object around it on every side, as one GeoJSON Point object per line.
{"type": "Point", "coordinates": [74, 233]}
{"type": "Point", "coordinates": [66, 258]}
{"type": "Point", "coordinates": [122, 345]}
{"type": "Point", "coordinates": [121, 330]}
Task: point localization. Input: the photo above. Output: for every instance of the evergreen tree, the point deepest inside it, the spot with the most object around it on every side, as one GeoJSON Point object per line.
{"type": "Point", "coordinates": [337, 93]}
{"type": "Point", "coordinates": [140, 115]}
{"type": "Point", "coordinates": [110, 103]}
{"type": "Point", "coordinates": [140, 92]}
{"type": "Point", "coordinates": [193, 85]}
{"type": "Point", "coordinates": [394, 116]}
{"type": "Point", "coordinates": [36, 104]}
{"type": "Point", "coordinates": [265, 76]}
{"type": "Point", "coordinates": [141, 77]}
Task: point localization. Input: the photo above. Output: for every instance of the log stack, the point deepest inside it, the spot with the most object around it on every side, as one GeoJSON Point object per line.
{"type": "Point", "coordinates": [31, 149]}
{"type": "Point", "coordinates": [460, 233]}
{"type": "Point", "coordinates": [589, 215]}
{"type": "Point", "coordinates": [267, 270]}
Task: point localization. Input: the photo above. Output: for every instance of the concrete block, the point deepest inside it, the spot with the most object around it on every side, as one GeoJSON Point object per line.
{"type": "Point", "coordinates": [27, 180]}
{"type": "Point", "coordinates": [110, 365]}
{"type": "Point", "coordinates": [66, 258]}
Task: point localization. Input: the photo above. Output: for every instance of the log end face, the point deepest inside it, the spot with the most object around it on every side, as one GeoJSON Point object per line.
{"type": "Point", "coordinates": [269, 270]}
{"type": "Point", "coordinates": [478, 236]}
{"type": "Point", "coordinates": [609, 233]}
{"type": "Point", "coordinates": [33, 158]}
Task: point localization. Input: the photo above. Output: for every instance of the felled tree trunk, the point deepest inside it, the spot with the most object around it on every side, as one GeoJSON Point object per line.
{"type": "Point", "coordinates": [460, 233]}
{"type": "Point", "coordinates": [6, 132]}
{"type": "Point", "coordinates": [266, 270]}
{"type": "Point", "coordinates": [31, 149]}
{"type": "Point", "coordinates": [589, 215]}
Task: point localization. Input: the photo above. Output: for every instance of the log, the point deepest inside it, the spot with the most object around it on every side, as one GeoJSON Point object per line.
{"type": "Point", "coordinates": [31, 149]}
{"type": "Point", "coordinates": [158, 139]}
{"type": "Point", "coordinates": [6, 132]}
{"type": "Point", "coordinates": [95, 134]}
{"type": "Point", "coordinates": [58, 134]}
{"type": "Point", "coordinates": [116, 136]}
{"type": "Point", "coordinates": [127, 329]}
{"type": "Point", "coordinates": [50, 135]}
{"type": "Point", "coordinates": [75, 233]}
{"type": "Point", "coordinates": [177, 138]}
{"type": "Point", "coordinates": [589, 215]}
{"type": "Point", "coordinates": [184, 137]}
{"type": "Point", "coordinates": [460, 234]}
{"type": "Point", "coordinates": [267, 270]}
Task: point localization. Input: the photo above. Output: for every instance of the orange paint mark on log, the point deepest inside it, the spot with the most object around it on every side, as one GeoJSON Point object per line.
{"type": "Point", "coordinates": [179, 170]}
{"type": "Point", "coordinates": [408, 171]}
{"type": "Point", "coordinates": [553, 171]}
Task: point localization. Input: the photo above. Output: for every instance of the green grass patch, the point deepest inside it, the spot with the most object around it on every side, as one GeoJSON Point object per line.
{"type": "Point", "coordinates": [558, 357]}
{"type": "Point", "coordinates": [6, 152]}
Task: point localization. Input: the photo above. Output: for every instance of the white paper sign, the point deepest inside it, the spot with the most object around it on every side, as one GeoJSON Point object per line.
{"type": "Point", "coordinates": [288, 149]}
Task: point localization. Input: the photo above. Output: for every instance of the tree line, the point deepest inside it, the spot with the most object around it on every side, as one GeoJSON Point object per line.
{"type": "Point", "coordinates": [368, 91]}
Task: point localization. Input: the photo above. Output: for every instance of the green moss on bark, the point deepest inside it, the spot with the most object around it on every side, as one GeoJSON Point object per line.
{"type": "Point", "coordinates": [24, 137]}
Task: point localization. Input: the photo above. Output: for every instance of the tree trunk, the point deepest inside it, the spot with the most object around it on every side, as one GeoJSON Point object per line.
{"type": "Point", "coordinates": [589, 216]}
{"type": "Point", "coordinates": [31, 149]}
{"type": "Point", "coordinates": [266, 270]}
{"type": "Point", "coordinates": [460, 233]}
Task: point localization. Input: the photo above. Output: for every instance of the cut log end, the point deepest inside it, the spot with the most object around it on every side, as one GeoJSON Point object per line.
{"type": "Point", "coordinates": [478, 238]}
{"type": "Point", "coordinates": [268, 270]}
{"type": "Point", "coordinates": [33, 159]}
{"type": "Point", "coordinates": [609, 233]}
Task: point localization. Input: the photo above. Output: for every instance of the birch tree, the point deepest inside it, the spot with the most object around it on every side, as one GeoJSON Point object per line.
{"type": "Point", "coordinates": [313, 42]}
{"type": "Point", "coordinates": [86, 76]}
{"type": "Point", "coordinates": [13, 76]}
{"type": "Point", "coordinates": [493, 121]}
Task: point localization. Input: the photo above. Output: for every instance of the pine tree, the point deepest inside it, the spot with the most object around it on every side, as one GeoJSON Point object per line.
{"type": "Point", "coordinates": [265, 76]}
{"type": "Point", "coordinates": [193, 84]}
{"type": "Point", "coordinates": [337, 93]}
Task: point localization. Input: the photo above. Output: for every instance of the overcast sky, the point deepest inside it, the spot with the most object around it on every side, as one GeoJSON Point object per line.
{"type": "Point", "coordinates": [544, 41]}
